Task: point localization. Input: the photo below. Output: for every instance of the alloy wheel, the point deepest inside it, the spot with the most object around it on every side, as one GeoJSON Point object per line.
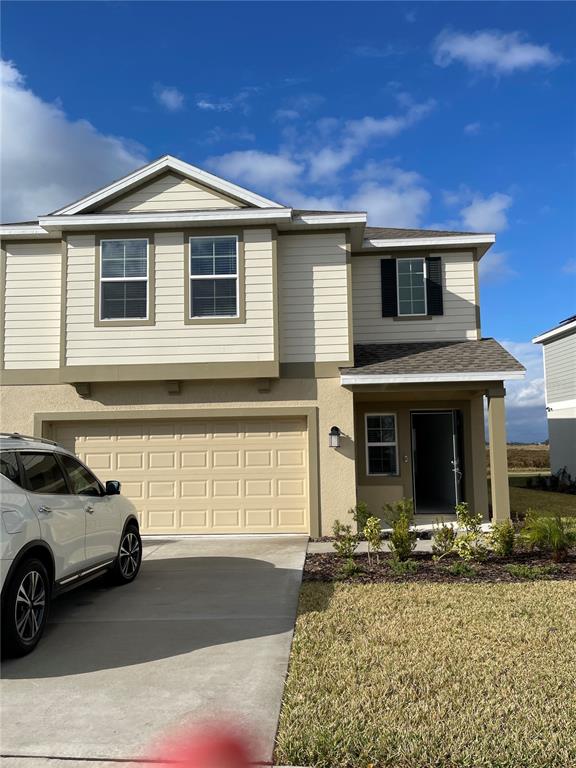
{"type": "Point", "coordinates": [30, 606]}
{"type": "Point", "coordinates": [129, 554]}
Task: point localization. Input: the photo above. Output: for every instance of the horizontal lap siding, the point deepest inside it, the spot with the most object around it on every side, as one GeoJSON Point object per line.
{"type": "Point", "coordinates": [170, 340]}
{"type": "Point", "coordinates": [170, 193]}
{"type": "Point", "coordinates": [560, 364]}
{"type": "Point", "coordinates": [457, 322]}
{"type": "Point", "coordinates": [313, 301]}
{"type": "Point", "coordinates": [32, 305]}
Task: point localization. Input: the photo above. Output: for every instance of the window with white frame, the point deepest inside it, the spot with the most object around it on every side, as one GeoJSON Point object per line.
{"type": "Point", "coordinates": [381, 444]}
{"type": "Point", "coordinates": [124, 279]}
{"type": "Point", "coordinates": [214, 276]}
{"type": "Point", "coordinates": [411, 275]}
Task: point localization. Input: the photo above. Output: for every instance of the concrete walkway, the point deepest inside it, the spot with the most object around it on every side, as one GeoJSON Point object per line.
{"type": "Point", "coordinates": [203, 634]}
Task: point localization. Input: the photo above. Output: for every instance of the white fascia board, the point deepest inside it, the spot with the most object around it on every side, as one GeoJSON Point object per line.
{"type": "Point", "coordinates": [26, 230]}
{"type": "Point", "coordinates": [560, 331]}
{"type": "Point", "coordinates": [232, 215]}
{"type": "Point", "coordinates": [428, 378]}
{"type": "Point", "coordinates": [416, 242]}
{"type": "Point", "coordinates": [560, 405]}
{"type": "Point", "coordinates": [331, 218]}
{"type": "Point", "coordinates": [168, 163]}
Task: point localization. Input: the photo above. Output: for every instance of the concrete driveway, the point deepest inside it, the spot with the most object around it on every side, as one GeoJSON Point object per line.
{"type": "Point", "coordinates": [203, 634]}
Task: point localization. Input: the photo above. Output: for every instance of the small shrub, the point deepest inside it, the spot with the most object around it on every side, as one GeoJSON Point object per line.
{"type": "Point", "coordinates": [443, 541]}
{"type": "Point", "coordinates": [349, 568]}
{"type": "Point", "coordinates": [373, 534]}
{"type": "Point", "coordinates": [461, 569]}
{"type": "Point", "coordinates": [399, 516]}
{"type": "Point", "coordinates": [471, 545]}
{"type": "Point", "coordinates": [502, 538]}
{"type": "Point", "coordinates": [360, 515]}
{"type": "Point", "coordinates": [345, 542]}
{"type": "Point", "coordinates": [403, 567]}
{"type": "Point", "coordinates": [403, 507]}
{"type": "Point", "coordinates": [550, 533]}
{"type": "Point", "coordinates": [531, 572]}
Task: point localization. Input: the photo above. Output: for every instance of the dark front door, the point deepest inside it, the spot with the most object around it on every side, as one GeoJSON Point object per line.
{"type": "Point", "coordinates": [436, 461]}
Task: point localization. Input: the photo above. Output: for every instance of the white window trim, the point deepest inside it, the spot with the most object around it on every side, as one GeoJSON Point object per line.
{"type": "Point", "coordinates": [124, 279]}
{"type": "Point", "coordinates": [235, 276]}
{"type": "Point", "coordinates": [412, 314]}
{"type": "Point", "coordinates": [369, 445]}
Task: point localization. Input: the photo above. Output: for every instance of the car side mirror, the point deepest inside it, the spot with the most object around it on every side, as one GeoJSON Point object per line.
{"type": "Point", "coordinates": [112, 487]}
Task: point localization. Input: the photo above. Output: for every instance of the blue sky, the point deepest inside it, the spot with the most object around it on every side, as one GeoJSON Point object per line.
{"type": "Point", "coordinates": [457, 115]}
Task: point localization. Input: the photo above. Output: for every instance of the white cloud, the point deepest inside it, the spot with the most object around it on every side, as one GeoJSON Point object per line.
{"type": "Point", "coordinates": [472, 129]}
{"type": "Point", "coordinates": [214, 106]}
{"type": "Point", "coordinates": [48, 159]}
{"type": "Point", "coordinates": [239, 101]}
{"type": "Point", "coordinates": [169, 97]}
{"type": "Point", "coordinates": [487, 214]}
{"type": "Point", "coordinates": [492, 51]}
{"type": "Point", "coordinates": [525, 401]}
{"type": "Point", "coordinates": [570, 267]}
{"type": "Point", "coordinates": [494, 267]}
{"type": "Point", "coordinates": [261, 170]}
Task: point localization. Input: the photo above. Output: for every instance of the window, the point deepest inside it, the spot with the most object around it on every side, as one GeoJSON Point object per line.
{"type": "Point", "coordinates": [43, 473]}
{"type": "Point", "coordinates": [214, 276]}
{"type": "Point", "coordinates": [82, 482]}
{"type": "Point", "coordinates": [124, 279]}
{"type": "Point", "coordinates": [9, 466]}
{"type": "Point", "coordinates": [411, 274]}
{"type": "Point", "coordinates": [381, 444]}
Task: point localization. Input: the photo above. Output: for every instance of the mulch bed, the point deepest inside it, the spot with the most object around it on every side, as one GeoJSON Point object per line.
{"type": "Point", "coordinates": [327, 566]}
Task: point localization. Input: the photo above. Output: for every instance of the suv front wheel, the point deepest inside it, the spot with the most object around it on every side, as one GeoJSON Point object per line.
{"type": "Point", "coordinates": [129, 557]}
{"type": "Point", "coordinates": [25, 608]}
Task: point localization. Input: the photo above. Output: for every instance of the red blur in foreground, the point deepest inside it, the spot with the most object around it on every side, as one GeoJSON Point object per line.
{"type": "Point", "coordinates": [206, 747]}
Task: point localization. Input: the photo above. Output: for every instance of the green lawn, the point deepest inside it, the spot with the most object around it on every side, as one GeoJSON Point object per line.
{"type": "Point", "coordinates": [432, 676]}
{"type": "Point", "coordinates": [522, 499]}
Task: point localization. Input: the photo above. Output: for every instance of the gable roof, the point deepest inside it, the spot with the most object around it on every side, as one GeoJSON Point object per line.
{"type": "Point", "coordinates": [161, 165]}
{"type": "Point", "coordinates": [392, 233]}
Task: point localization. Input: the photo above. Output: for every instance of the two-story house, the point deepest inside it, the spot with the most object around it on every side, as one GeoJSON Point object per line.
{"type": "Point", "coordinates": [242, 366]}
{"type": "Point", "coordinates": [559, 350]}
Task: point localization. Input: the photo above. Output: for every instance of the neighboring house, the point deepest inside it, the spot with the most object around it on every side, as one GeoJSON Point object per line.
{"type": "Point", "coordinates": [200, 343]}
{"type": "Point", "coordinates": [559, 349]}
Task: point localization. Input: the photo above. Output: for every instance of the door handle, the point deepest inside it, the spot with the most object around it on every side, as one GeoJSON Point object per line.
{"type": "Point", "coordinates": [44, 510]}
{"type": "Point", "coordinates": [90, 509]}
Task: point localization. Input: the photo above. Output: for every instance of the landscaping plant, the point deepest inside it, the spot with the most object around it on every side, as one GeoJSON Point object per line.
{"type": "Point", "coordinates": [345, 542]}
{"type": "Point", "coordinates": [502, 538]}
{"type": "Point", "coordinates": [403, 567]}
{"type": "Point", "coordinates": [531, 572]}
{"type": "Point", "coordinates": [349, 568]}
{"type": "Point", "coordinates": [461, 569]}
{"type": "Point", "coordinates": [443, 540]}
{"type": "Point", "coordinates": [360, 515]}
{"type": "Point", "coordinates": [471, 545]}
{"type": "Point", "coordinates": [403, 538]}
{"type": "Point", "coordinates": [550, 533]}
{"type": "Point", "coordinates": [373, 535]}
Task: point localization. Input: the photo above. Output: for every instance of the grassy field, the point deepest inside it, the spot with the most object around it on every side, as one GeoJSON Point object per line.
{"type": "Point", "coordinates": [522, 457]}
{"type": "Point", "coordinates": [522, 499]}
{"type": "Point", "coordinates": [432, 676]}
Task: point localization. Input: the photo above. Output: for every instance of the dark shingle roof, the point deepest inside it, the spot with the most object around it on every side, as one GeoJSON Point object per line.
{"type": "Point", "coordinates": [481, 356]}
{"type": "Point", "coordinates": [391, 233]}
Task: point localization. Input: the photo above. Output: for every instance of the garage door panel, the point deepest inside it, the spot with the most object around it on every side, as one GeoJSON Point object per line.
{"type": "Point", "coordinates": [203, 475]}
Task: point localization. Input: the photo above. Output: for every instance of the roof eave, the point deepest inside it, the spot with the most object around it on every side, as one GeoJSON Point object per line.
{"type": "Point", "coordinates": [480, 242]}
{"type": "Point", "coordinates": [561, 330]}
{"type": "Point", "coordinates": [354, 379]}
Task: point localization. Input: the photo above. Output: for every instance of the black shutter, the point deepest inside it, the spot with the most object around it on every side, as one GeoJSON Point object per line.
{"type": "Point", "coordinates": [434, 285]}
{"type": "Point", "coordinates": [389, 293]}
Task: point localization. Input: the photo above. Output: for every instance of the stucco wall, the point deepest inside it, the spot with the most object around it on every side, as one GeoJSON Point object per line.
{"type": "Point", "coordinates": [335, 477]}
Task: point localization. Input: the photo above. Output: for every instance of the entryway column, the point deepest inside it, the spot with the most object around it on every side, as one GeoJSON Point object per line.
{"type": "Point", "coordinates": [498, 455]}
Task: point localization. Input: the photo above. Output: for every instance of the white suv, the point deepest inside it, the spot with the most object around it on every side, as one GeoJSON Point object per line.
{"type": "Point", "coordinates": [60, 527]}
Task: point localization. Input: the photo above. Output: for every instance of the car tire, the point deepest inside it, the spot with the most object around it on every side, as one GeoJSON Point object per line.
{"type": "Point", "coordinates": [129, 557]}
{"type": "Point", "coordinates": [25, 608]}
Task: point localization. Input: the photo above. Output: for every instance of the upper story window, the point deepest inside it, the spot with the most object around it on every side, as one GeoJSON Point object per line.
{"type": "Point", "coordinates": [124, 279]}
{"type": "Point", "coordinates": [214, 276]}
{"type": "Point", "coordinates": [411, 276]}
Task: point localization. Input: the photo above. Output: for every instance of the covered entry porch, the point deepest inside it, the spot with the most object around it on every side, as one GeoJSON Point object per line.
{"type": "Point", "coordinates": [420, 431]}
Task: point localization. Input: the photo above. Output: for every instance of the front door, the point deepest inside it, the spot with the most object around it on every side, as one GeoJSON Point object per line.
{"type": "Point", "coordinates": [436, 461]}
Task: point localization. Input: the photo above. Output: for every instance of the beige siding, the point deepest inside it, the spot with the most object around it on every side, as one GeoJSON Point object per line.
{"type": "Point", "coordinates": [457, 322]}
{"type": "Point", "coordinates": [170, 193]}
{"type": "Point", "coordinates": [560, 365]}
{"type": "Point", "coordinates": [32, 315]}
{"type": "Point", "coordinates": [170, 340]}
{"type": "Point", "coordinates": [313, 298]}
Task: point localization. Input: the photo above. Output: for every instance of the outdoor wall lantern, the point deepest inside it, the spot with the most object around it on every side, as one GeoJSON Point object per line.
{"type": "Point", "coordinates": [334, 437]}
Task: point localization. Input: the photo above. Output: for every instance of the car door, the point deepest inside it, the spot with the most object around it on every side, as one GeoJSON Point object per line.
{"type": "Point", "coordinates": [60, 514]}
{"type": "Point", "coordinates": [102, 516]}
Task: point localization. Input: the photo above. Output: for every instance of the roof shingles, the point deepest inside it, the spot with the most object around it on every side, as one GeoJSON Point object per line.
{"type": "Point", "coordinates": [482, 356]}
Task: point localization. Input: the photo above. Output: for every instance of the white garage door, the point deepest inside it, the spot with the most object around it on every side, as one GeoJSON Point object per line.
{"type": "Point", "coordinates": [202, 475]}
